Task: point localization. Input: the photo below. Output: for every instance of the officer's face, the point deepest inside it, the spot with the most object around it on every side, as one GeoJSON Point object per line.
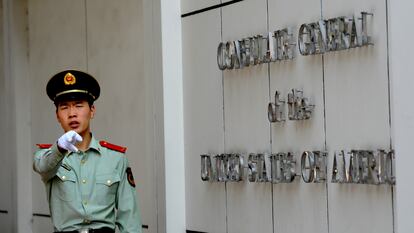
{"type": "Point", "coordinates": [75, 115]}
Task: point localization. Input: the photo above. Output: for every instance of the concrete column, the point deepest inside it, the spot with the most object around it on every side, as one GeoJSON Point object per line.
{"type": "Point", "coordinates": [402, 113]}
{"type": "Point", "coordinates": [17, 118]}
{"type": "Point", "coordinates": [5, 159]}
{"type": "Point", "coordinates": [173, 115]}
{"type": "Point", "coordinates": [163, 71]}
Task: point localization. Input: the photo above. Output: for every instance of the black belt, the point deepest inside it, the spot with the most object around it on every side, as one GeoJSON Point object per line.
{"type": "Point", "coordinates": [100, 230]}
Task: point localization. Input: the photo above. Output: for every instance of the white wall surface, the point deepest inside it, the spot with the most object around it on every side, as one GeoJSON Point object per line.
{"type": "Point", "coordinates": [173, 115]}
{"type": "Point", "coordinates": [163, 72]}
{"type": "Point", "coordinates": [357, 116]}
{"type": "Point", "coordinates": [298, 200]}
{"type": "Point", "coordinates": [402, 116]}
{"type": "Point", "coordinates": [349, 89]}
{"type": "Point", "coordinates": [246, 94]}
{"type": "Point", "coordinates": [203, 112]}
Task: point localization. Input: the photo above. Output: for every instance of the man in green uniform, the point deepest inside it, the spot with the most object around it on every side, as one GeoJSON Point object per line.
{"type": "Point", "coordinates": [89, 185]}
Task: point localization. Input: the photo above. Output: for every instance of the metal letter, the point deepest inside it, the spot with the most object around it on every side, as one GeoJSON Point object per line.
{"type": "Point", "coordinates": [299, 108]}
{"type": "Point", "coordinates": [276, 168]}
{"type": "Point", "coordinates": [365, 38]}
{"type": "Point", "coordinates": [317, 37]}
{"type": "Point", "coordinates": [306, 45]}
{"type": "Point", "coordinates": [230, 51]}
{"type": "Point", "coordinates": [262, 49]}
{"type": "Point", "coordinates": [221, 166]}
{"type": "Point", "coordinates": [271, 53]}
{"type": "Point", "coordinates": [390, 167]}
{"type": "Point", "coordinates": [352, 32]}
{"type": "Point", "coordinates": [336, 29]}
{"type": "Point", "coordinates": [282, 167]}
{"type": "Point", "coordinates": [320, 166]}
{"type": "Point", "coordinates": [308, 166]}
{"type": "Point", "coordinates": [221, 56]}
{"type": "Point", "coordinates": [237, 58]}
{"type": "Point", "coordinates": [262, 169]}
{"type": "Point", "coordinates": [245, 52]}
{"type": "Point", "coordinates": [236, 167]}
{"type": "Point", "coordinates": [354, 169]}
{"type": "Point", "coordinates": [284, 44]}
{"type": "Point", "coordinates": [338, 169]}
{"type": "Point", "coordinates": [252, 165]}
{"type": "Point", "coordinates": [276, 110]}
{"type": "Point", "coordinates": [368, 167]}
{"type": "Point", "coordinates": [206, 172]}
{"type": "Point", "coordinates": [313, 166]}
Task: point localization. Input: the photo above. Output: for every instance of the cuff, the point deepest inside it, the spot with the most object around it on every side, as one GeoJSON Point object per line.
{"type": "Point", "coordinates": [55, 150]}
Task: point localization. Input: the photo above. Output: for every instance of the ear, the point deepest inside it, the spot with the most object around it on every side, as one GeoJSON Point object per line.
{"type": "Point", "coordinates": [93, 111]}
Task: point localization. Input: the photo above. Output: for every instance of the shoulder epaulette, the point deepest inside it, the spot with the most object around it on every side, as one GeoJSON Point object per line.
{"type": "Point", "coordinates": [44, 146]}
{"type": "Point", "coordinates": [113, 146]}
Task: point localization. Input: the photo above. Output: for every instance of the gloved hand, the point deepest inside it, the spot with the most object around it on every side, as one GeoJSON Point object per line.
{"type": "Point", "coordinates": [68, 141]}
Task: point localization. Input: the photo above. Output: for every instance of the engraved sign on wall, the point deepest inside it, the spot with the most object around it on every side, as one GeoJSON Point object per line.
{"type": "Point", "coordinates": [276, 46]}
{"type": "Point", "coordinates": [349, 166]}
{"type": "Point", "coordinates": [364, 167]}
{"type": "Point", "coordinates": [334, 34]}
{"type": "Point", "coordinates": [319, 37]}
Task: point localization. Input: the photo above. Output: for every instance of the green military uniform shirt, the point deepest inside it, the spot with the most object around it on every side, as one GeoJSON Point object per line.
{"type": "Point", "coordinates": [91, 189]}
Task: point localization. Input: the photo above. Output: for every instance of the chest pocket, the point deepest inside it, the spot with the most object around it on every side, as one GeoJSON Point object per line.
{"type": "Point", "coordinates": [106, 188]}
{"type": "Point", "coordinates": [64, 185]}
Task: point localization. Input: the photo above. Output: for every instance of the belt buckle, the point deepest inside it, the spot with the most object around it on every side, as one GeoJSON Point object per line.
{"type": "Point", "coordinates": [84, 231]}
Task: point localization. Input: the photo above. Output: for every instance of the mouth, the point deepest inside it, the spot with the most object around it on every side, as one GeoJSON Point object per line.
{"type": "Point", "coordinates": [74, 124]}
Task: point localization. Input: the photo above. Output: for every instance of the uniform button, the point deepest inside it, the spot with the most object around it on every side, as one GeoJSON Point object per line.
{"type": "Point", "coordinates": [85, 203]}
{"type": "Point", "coordinates": [83, 161]}
{"type": "Point", "coordinates": [87, 221]}
{"type": "Point", "coordinates": [84, 181]}
{"type": "Point", "coordinates": [108, 182]}
{"type": "Point", "coordinates": [63, 177]}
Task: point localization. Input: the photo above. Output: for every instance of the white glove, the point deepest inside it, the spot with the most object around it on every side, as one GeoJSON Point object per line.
{"type": "Point", "coordinates": [68, 141]}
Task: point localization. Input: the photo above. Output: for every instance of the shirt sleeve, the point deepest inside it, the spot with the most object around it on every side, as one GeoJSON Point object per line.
{"type": "Point", "coordinates": [128, 217]}
{"type": "Point", "coordinates": [47, 161]}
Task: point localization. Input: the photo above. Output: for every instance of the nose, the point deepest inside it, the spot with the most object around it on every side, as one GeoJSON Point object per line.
{"type": "Point", "coordinates": [72, 112]}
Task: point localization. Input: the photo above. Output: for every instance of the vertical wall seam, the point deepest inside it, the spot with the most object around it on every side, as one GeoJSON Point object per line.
{"type": "Point", "coordinates": [154, 121]}
{"type": "Point", "coordinates": [157, 98]}
{"type": "Point", "coordinates": [224, 121]}
{"type": "Point", "coordinates": [222, 82]}
{"type": "Point", "coordinates": [86, 36]}
{"type": "Point", "coordinates": [324, 127]}
{"type": "Point", "coordinates": [388, 70]}
{"type": "Point", "coordinates": [270, 124]}
{"type": "Point", "coordinates": [389, 105]}
{"type": "Point", "coordinates": [326, 147]}
{"type": "Point", "coordinates": [10, 101]}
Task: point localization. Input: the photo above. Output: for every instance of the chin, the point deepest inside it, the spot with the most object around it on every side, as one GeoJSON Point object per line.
{"type": "Point", "coordinates": [77, 130]}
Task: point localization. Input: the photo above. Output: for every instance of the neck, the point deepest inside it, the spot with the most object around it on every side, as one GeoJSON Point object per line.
{"type": "Point", "coordinates": [86, 140]}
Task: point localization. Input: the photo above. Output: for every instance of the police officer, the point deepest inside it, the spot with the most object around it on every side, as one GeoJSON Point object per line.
{"type": "Point", "coordinates": [89, 185]}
